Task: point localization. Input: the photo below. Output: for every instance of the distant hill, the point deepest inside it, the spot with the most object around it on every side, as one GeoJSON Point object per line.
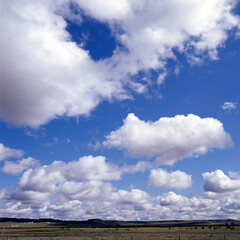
{"type": "Point", "coordinates": [93, 223]}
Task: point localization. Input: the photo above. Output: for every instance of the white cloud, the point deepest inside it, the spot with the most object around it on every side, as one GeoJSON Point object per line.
{"type": "Point", "coordinates": [161, 77]}
{"type": "Point", "coordinates": [135, 196]}
{"type": "Point", "coordinates": [6, 152]}
{"type": "Point", "coordinates": [80, 200]}
{"type": "Point", "coordinates": [24, 196]}
{"type": "Point", "coordinates": [92, 168]}
{"type": "Point", "coordinates": [169, 180]}
{"type": "Point", "coordinates": [170, 139]}
{"type": "Point", "coordinates": [40, 179]}
{"type": "Point", "coordinates": [55, 141]}
{"type": "Point", "coordinates": [234, 174]}
{"type": "Point", "coordinates": [35, 45]}
{"type": "Point", "coordinates": [14, 168]}
{"type": "Point", "coordinates": [220, 186]}
{"type": "Point", "coordinates": [232, 207]}
{"type": "Point", "coordinates": [184, 207]}
{"type": "Point", "coordinates": [90, 190]}
{"type": "Point", "coordinates": [46, 178]}
{"type": "Point", "coordinates": [141, 166]}
{"type": "Point", "coordinates": [229, 106]}
{"type": "Point", "coordinates": [154, 28]}
{"type": "Point", "coordinates": [15, 210]}
{"type": "Point", "coordinates": [105, 9]}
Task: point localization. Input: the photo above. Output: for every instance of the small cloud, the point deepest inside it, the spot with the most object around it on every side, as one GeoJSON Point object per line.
{"type": "Point", "coordinates": [49, 144]}
{"type": "Point", "coordinates": [177, 70]}
{"type": "Point", "coordinates": [36, 133]}
{"type": "Point", "coordinates": [229, 106]}
{"type": "Point", "coordinates": [194, 60]}
{"type": "Point", "coordinates": [131, 186]}
{"type": "Point", "coordinates": [147, 80]}
{"type": "Point", "coordinates": [138, 87]}
{"type": "Point", "coordinates": [161, 78]}
{"type": "Point", "coordinates": [15, 168]}
{"type": "Point", "coordinates": [169, 180]}
{"type": "Point", "coordinates": [141, 166]}
{"type": "Point", "coordinates": [6, 152]}
{"type": "Point", "coordinates": [57, 141]}
{"type": "Point", "coordinates": [234, 175]}
{"type": "Point", "coordinates": [95, 145]}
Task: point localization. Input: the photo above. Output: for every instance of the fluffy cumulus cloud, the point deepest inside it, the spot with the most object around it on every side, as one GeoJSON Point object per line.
{"type": "Point", "coordinates": [24, 196]}
{"type": "Point", "coordinates": [50, 75]}
{"type": "Point", "coordinates": [220, 186]}
{"type": "Point", "coordinates": [6, 152]}
{"type": "Point", "coordinates": [14, 168]}
{"type": "Point", "coordinates": [232, 207]}
{"type": "Point", "coordinates": [66, 198]}
{"type": "Point", "coordinates": [43, 191]}
{"type": "Point", "coordinates": [225, 188]}
{"type": "Point", "coordinates": [184, 206]}
{"type": "Point", "coordinates": [229, 106]}
{"type": "Point", "coordinates": [44, 74]}
{"type": "Point", "coordinates": [169, 180]}
{"type": "Point", "coordinates": [141, 166]}
{"type": "Point", "coordinates": [90, 190]}
{"type": "Point", "coordinates": [47, 178]}
{"type": "Point", "coordinates": [170, 139]}
{"type": "Point", "coordinates": [74, 201]}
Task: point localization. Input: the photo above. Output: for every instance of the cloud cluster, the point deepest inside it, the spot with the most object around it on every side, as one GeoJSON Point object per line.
{"type": "Point", "coordinates": [225, 188]}
{"type": "Point", "coordinates": [170, 180]}
{"type": "Point", "coordinates": [74, 200]}
{"type": "Point", "coordinates": [170, 139]}
{"type": "Point", "coordinates": [47, 178]}
{"type": "Point", "coordinates": [44, 74]}
{"type": "Point", "coordinates": [198, 207]}
{"type": "Point", "coordinates": [81, 184]}
{"type": "Point", "coordinates": [73, 191]}
{"type": "Point", "coordinates": [220, 186]}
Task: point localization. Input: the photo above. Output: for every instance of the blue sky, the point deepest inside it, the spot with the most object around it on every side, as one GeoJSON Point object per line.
{"type": "Point", "coordinates": [131, 103]}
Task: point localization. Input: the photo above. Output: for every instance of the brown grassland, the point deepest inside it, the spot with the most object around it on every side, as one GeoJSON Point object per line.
{"type": "Point", "coordinates": [50, 231]}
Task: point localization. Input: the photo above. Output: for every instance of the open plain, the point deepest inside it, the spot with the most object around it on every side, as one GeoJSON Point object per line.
{"type": "Point", "coordinates": [52, 231]}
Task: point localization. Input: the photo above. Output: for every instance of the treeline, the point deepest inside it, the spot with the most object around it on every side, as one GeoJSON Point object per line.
{"type": "Point", "coordinates": [93, 223]}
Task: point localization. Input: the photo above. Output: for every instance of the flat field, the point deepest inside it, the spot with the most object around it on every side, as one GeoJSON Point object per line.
{"type": "Point", "coordinates": [51, 231]}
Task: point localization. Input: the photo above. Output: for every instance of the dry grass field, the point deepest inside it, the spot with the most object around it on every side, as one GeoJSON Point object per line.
{"type": "Point", "coordinates": [50, 231]}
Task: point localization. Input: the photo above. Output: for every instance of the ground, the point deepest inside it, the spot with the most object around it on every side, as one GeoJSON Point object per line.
{"type": "Point", "coordinates": [51, 231]}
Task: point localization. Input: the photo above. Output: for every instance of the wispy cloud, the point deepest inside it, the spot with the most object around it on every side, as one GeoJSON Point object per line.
{"type": "Point", "coordinates": [56, 141]}
{"type": "Point", "coordinates": [229, 106]}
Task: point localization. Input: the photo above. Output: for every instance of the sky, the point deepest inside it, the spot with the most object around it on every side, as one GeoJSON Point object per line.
{"type": "Point", "coordinates": [125, 109]}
